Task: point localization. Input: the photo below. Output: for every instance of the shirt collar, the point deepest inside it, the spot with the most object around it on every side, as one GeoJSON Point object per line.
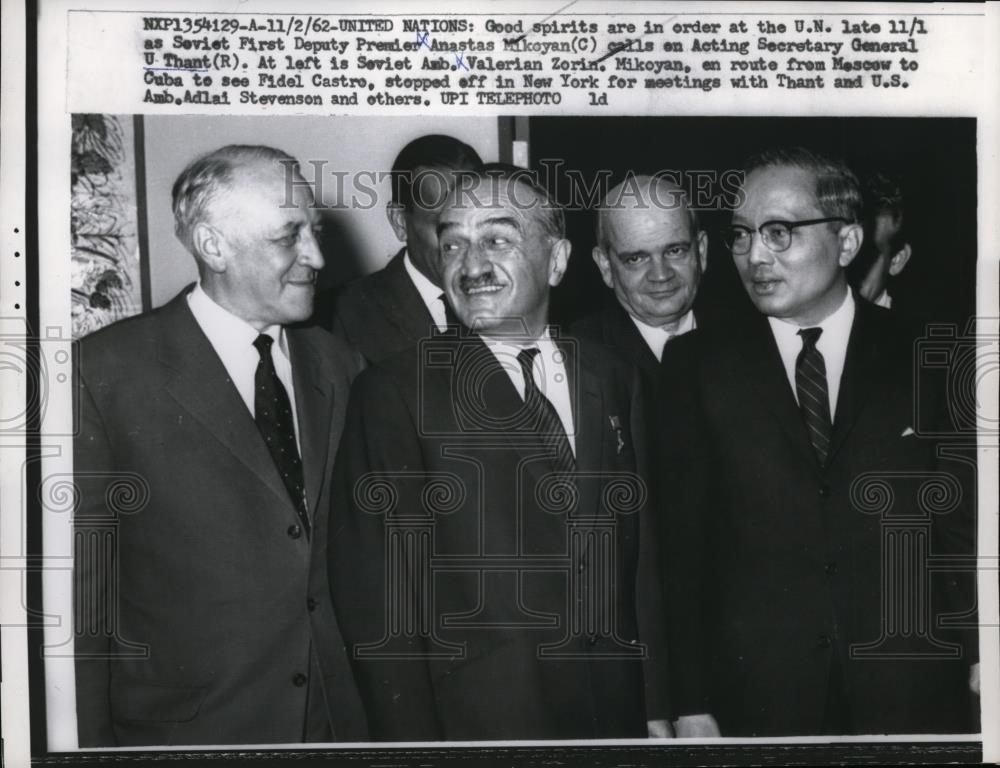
{"type": "Point", "coordinates": [883, 300]}
{"type": "Point", "coordinates": [429, 292]}
{"type": "Point", "coordinates": [225, 330]}
{"type": "Point", "coordinates": [686, 323]}
{"type": "Point", "coordinates": [836, 329]}
{"type": "Point", "coordinates": [656, 338]}
{"type": "Point", "coordinates": [503, 348]}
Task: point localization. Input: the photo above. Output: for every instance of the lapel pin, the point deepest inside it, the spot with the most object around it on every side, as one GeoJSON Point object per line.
{"type": "Point", "coordinates": [616, 425]}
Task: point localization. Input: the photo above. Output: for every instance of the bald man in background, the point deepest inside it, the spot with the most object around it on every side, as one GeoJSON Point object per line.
{"type": "Point", "coordinates": [651, 254]}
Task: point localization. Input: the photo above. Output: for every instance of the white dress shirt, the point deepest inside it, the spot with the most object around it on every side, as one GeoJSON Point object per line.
{"type": "Point", "coordinates": [883, 300]}
{"type": "Point", "coordinates": [549, 373]}
{"type": "Point", "coordinates": [429, 293]}
{"type": "Point", "coordinates": [232, 339]}
{"type": "Point", "coordinates": [656, 338]}
{"type": "Point", "coordinates": [832, 345]}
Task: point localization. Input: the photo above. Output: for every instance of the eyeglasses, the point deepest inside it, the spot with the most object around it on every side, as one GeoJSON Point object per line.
{"type": "Point", "coordinates": [777, 235]}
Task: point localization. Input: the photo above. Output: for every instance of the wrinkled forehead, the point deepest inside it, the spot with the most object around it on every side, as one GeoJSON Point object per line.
{"type": "Point", "coordinates": [481, 199]}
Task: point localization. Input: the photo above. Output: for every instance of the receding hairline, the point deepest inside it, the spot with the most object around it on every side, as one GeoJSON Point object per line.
{"type": "Point", "coordinates": [499, 196]}
{"type": "Point", "coordinates": [612, 204]}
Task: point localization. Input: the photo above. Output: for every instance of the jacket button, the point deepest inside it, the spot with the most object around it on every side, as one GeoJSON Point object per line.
{"type": "Point", "coordinates": [824, 490]}
{"type": "Point", "coordinates": [311, 604]}
{"type": "Point", "coordinates": [298, 680]}
{"type": "Point", "coordinates": [294, 531]}
{"type": "Point", "coordinates": [830, 568]}
{"type": "Point", "coordinates": [823, 641]}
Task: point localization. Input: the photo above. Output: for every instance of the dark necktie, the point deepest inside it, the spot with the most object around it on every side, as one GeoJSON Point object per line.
{"type": "Point", "coordinates": [814, 398]}
{"type": "Point", "coordinates": [272, 410]}
{"type": "Point", "coordinates": [450, 318]}
{"type": "Point", "coordinates": [544, 415]}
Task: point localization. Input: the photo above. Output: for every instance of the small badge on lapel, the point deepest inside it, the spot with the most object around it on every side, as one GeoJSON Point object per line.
{"type": "Point", "coordinates": [616, 426]}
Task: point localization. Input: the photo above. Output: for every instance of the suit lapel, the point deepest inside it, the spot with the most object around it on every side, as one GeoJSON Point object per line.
{"type": "Point", "coordinates": [313, 404]}
{"type": "Point", "coordinates": [198, 381]}
{"type": "Point", "coordinates": [624, 337]}
{"type": "Point", "coordinates": [401, 301]}
{"type": "Point", "coordinates": [861, 375]}
{"type": "Point", "coordinates": [589, 419]}
{"type": "Point", "coordinates": [766, 373]}
{"type": "Point", "coordinates": [481, 372]}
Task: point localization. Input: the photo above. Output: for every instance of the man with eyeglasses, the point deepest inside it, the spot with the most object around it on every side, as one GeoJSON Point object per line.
{"type": "Point", "coordinates": [778, 550]}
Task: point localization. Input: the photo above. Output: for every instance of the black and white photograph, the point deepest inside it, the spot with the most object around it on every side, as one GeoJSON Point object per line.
{"type": "Point", "coordinates": [613, 437]}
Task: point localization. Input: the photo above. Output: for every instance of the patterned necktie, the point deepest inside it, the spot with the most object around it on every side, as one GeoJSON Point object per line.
{"type": "Point", "coordinates": [544, 414]}
{"type": "Point", "coordinates": [814, 398]}
{"type": "Point", "coordinates": [273, 414]}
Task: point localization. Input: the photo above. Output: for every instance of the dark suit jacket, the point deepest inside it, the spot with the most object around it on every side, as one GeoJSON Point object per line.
{"type": "Point", "coordinates": [776, 568]}
{"type": "Point", "coordinates": [435, 463]}
{"type": "Point", "coordinates": [613, 328]}
{"type": "Point", "coordinates": [382, 314]}
{"type": "Point", "coordinates": [191, 572]}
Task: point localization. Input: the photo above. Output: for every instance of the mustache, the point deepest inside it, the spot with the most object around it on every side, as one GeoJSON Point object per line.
{"type": "Point", "coordinates": [485, 280]}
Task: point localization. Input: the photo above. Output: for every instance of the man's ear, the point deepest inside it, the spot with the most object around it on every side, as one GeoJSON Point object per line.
{"type": "Point", "coordinates": [899, 261]}
{"type": "Point", "coordinates": [209, 247]}
{"type": "Point", "coordinates": [851, 236]}
{"type": "Point", "coordinates": [558, 260]}
{"type": "Point", "coordinates": [396, 215]}
{"type": "Point", "coordinates": [703, 249]}
{"type": "Point", "coordinates": [603, 263]}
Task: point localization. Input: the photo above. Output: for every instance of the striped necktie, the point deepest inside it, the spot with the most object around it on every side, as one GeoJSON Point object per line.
{"type": "Point", "coordinates": [544, 414]}
{"type": "Point", "coordinates": [814, 397]}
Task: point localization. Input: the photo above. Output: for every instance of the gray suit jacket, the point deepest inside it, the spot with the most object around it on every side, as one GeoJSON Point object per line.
{"type": "Point", "coordinates": [202, 609]}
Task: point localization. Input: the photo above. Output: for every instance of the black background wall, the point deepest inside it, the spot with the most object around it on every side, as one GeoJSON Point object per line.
{"type": "Point", "coordinates": [935, 157]}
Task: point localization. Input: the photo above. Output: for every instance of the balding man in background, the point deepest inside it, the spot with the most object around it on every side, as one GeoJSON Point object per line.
{"type": "Point", "coordinates": [651, 254]}
{"type": "Point", "coordinates": [202, 607]}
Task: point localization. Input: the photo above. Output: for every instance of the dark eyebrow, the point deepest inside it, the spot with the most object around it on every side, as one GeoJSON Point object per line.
{"type": "Point", "coordinates": [444, 226]}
